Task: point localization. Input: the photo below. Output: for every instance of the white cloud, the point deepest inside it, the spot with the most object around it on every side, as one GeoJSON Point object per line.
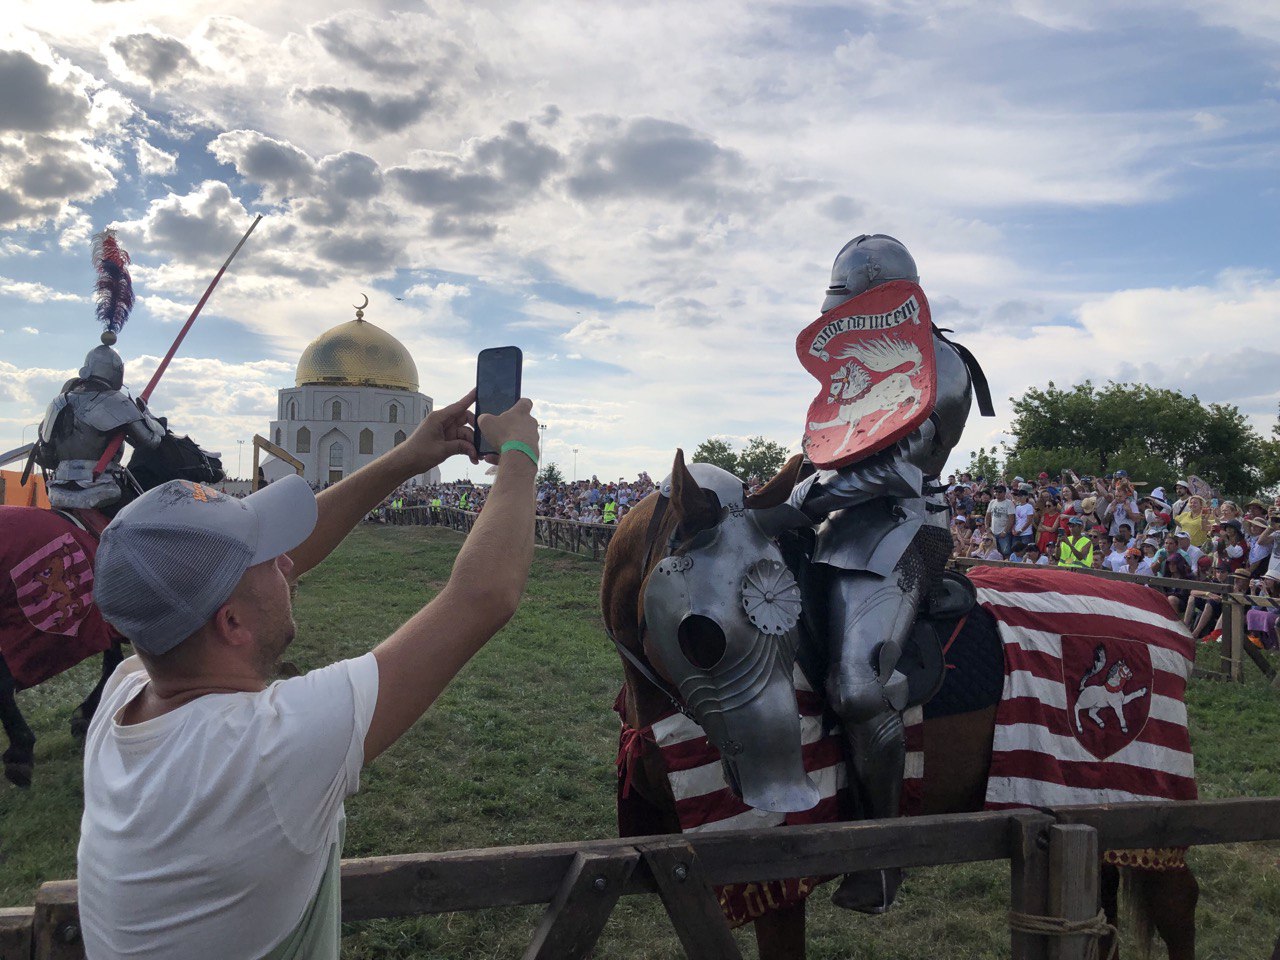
{"type": "Point", "coordinates": [440, 292]}
{"type": "Point", "coordinates": [152, 161]}
{"type": "Point", "coordinates": [36, 292]}
{"type": "Point", "coordinates": [11, 248]}
{"type": "Point", "coordinates": [30, 330]}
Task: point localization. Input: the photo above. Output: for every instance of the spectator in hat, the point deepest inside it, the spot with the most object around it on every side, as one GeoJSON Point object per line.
{"type": "Point", "coordinates": [1181, 492]}
{"type": "Point", "coordinates": [213, 797]}
{"type": "Point", "coordinates": [1204, 609]}
{"type": "Point", "coordinates": [1074, 548]}
{"type": "Point", "coordinates": [1193, 553]}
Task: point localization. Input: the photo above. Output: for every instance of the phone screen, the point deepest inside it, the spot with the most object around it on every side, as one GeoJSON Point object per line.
{"type": "Point", "coordinates": [497, 385]}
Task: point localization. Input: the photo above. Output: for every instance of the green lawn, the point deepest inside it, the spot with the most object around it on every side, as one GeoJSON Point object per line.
{"type": "Point", "coordinates": [521, 750]}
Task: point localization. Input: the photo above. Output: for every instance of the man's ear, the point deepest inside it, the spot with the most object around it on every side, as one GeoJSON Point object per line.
{"type": "Point", "coordinates": [229, 626]}
{"type": "Point", "coordinates": [695, 509]}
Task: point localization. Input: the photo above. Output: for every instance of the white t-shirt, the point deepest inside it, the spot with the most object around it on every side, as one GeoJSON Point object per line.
{"type": "Point", "coordinates": [207, 831]}
{"type": "Point", "coordinates": [999, 516]}
{"type": "Point", "coordinates": [1022, 514]}
{"type": "Point", "coordinates": [1115, 561]}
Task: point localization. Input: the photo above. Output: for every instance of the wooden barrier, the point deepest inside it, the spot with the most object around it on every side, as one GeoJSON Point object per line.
{"type": "Point", "coordinates": [585, 539]}
{"type": "Point", "coordinates": [1052, 854]}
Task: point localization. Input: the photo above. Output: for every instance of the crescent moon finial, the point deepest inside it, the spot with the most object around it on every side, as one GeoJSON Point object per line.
{"type": "Point", "coordinates": [360, 307]}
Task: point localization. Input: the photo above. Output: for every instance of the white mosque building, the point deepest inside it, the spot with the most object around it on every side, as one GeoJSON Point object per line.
{"type": "Point", "coordinates": [354, 398]}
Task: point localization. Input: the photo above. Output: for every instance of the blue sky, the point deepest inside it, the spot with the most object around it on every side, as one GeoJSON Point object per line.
{"type": "Point", "coordinates": [645, 197]}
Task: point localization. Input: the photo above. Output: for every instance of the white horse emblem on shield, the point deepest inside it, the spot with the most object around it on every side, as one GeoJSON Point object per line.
{"type": "Point", "coordinates": [1107, 696]}
{"type": "Point", "coordinates": [859, 398]}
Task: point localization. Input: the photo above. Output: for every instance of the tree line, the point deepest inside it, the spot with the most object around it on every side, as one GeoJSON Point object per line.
{"type": "Point", "coordinates": [1155, 434]}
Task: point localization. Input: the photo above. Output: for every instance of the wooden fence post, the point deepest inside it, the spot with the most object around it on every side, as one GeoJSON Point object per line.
{"type": "Point", "coordinates": [1029, 880]}
{"type": "Point", "coordinates": [1073, 886]}
{"type": "Point", "coordinates": [691, 903]}
{"type": "Point", "coordinates": [587, 895]}
{"type": "Point", "coordinates": [56, 924]}
{"type": "Point", "coordinates": [15, 932]}
{"type": "Point", "coordinates": [1238, 639]}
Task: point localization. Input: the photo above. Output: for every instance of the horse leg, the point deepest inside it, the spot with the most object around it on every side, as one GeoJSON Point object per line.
{"type": "Point", "coordinates": [1109, 894]}
{"type": "Point", "coordinates": [112, 657]}
{"type": "Point", "coordinates": [780, 933]}
{"type": "Point", "coordinates": [1169, 898]}
{"type": "Point", "coordinates": [19, 759]}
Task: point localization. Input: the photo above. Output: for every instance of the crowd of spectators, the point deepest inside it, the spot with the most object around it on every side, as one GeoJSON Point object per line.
{"type": "Point", "coordinates": [1115, 523]}
{"type": "Point", "coordinates": [584, 501]}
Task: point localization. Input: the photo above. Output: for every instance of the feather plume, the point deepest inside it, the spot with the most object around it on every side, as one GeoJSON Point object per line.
{"type": "Point", "coordinates": [114, 289]}
{"type": "Point", "coordinates": [884, 354]}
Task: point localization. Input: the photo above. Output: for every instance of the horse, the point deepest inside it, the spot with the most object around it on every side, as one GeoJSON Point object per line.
{"type": "Point", "coordinates": [957, 748]}
{"type": "Point", "coordinates": [48, 622]}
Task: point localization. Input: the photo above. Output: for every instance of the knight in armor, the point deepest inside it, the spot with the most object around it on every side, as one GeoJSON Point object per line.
{"type": "Point", "coordinates": [94, 406]}
{"type": "Point", "coordinates": [882, 536]}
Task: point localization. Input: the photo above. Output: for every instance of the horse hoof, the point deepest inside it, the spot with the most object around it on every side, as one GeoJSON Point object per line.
{"type": "Point", "coordinates": [868, 891]}
{"type": "Point", "coordinates": [19, 774]}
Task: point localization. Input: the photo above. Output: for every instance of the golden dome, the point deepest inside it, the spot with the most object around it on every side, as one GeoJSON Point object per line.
{"type": "Point", "coordinates": [357, 354]}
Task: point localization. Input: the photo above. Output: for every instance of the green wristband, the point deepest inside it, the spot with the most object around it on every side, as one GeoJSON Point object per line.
{"type": "Point", "coordinates": [522, 447]}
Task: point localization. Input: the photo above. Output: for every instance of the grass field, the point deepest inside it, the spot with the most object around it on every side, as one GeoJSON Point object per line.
{"type": "Point", "coordinates": [521, 750]}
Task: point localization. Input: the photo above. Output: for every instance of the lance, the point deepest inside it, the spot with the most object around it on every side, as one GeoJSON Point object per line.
{"type": "Point", "coordinates": [114, 445]}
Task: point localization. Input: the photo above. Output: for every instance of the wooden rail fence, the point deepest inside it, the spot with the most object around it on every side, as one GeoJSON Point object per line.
{"type": "Point", "coordinates": [586, 539]}
{"type": "Point", "coordinates": [1053, 856]}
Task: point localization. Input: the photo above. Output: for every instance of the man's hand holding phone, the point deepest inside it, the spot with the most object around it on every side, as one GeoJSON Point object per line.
{"type": "Point", "coordinates": [516, 424]}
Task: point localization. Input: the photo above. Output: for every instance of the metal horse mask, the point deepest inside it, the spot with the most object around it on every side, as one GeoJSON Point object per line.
{"type": "Point", "coordinates": [721, 613]}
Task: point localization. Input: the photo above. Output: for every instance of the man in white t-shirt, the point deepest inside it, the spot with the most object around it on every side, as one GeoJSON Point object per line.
{"type": "Point", "coordinates": [213, 820]}
{"type": "Point", "coordinates": [1000, 520]}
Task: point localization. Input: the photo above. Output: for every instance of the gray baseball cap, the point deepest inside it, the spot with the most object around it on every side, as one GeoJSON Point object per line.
{"type": "Point", "coordinates": [170, 559]}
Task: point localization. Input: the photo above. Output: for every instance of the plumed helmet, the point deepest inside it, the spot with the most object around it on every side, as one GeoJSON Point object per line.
{"type": "Point", "coordinates": [865, 262]}
{"type": "Point", "coordinates": [104, 365]}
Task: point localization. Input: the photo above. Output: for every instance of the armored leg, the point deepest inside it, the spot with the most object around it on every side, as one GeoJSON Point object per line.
{"type": "Point", "coordinates": [870, 618]}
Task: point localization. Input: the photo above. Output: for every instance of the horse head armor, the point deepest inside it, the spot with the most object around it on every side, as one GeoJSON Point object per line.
{"type": "Point", "coordinates": [721, 614]}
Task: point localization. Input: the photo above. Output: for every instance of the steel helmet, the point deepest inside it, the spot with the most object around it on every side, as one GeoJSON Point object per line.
{"type": "Point", "coordinates": [865, 262]}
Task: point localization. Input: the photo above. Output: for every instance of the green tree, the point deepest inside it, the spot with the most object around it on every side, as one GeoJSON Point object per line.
{"type": "Point", "coordinates": [761, 458]}
{"type": "Point", "coordinates": [1153, 433]}
{"type": "Point", "coordinates": [716, 451]}
{"type": "Point", "coordinates": [550, 474]}
{"type": "Point", "coordinates": [984, 463]}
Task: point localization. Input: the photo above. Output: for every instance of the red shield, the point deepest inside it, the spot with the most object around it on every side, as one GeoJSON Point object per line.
{"type": "Point", "coordinates": [873, 356]}
{"type": "Point", "coordinates": [1108, 683]}
{"type": "Point", "coordinates": [54, 586]}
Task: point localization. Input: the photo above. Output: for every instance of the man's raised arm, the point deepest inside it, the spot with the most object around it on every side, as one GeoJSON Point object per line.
{"type": "Point", "coordinates": [417, 662]}
{"type": "Point", "coordinates": [339, 508]}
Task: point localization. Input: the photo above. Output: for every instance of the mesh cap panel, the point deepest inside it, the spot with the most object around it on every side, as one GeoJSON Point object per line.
{"type": "Point", "coordinates": [164, 583]}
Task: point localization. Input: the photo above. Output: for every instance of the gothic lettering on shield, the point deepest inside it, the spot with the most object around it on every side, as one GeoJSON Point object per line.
{"type": "Point", "coordinates": [1108, 686]}
{"type": "Point", "coordinates": [873, 356]}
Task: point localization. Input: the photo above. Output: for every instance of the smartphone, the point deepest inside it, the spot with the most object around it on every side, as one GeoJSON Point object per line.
{"type": "Point", "coordinates": [497, 386]}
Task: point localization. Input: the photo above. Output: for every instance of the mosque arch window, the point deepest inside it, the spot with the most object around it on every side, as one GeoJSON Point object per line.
{"type": "Point", "coordinates": [366, 441]}
{"type": "Point", "coordinates": [293, 409]}
{"type": "Point", "coordinates": [278, 436]}
{"type": "Point", "coordinates": [336, 453]}
{"type": "Point", "coordinates": [399, 437]}
{"type": "Point", "coordinates": [335, 411]}
{"type": "Point", "coordinates": [393, 413]}
{"type": "Point", "coordinates": [303, 443]}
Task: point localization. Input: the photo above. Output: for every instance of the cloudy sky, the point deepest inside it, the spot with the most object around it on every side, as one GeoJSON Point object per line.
{"type": "Point", "coordinates": [646, 197]}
